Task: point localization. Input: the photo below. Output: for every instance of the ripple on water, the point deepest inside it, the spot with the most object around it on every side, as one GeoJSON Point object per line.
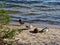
{"type": "Point", "coordinates": [34, 12]}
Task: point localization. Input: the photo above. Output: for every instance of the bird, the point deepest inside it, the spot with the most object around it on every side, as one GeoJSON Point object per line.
{"type": "Point", "coordinates": [44, 30]}
{"type": "Point", "coordinates": [29, 26]}
{"type": "Point", "coordinates": [35, 30]}
{"type": "Point", "coordinates": [20, 21]}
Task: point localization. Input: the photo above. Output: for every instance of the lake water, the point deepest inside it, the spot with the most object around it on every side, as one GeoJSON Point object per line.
{"type": "Point", "coordinates": [42, 12]}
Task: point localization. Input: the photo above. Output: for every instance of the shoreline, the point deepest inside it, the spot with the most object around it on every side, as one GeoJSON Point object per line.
{"type": "Point", "coordinates": [39, 25]}
{"type": "Point", "coordinates": [52, 37]}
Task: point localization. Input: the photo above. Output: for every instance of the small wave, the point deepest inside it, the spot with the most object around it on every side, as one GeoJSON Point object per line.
{"type": "Point", "coordinates": [20, 6]}
{"type": "Point", "coordinates": [13, 12]}
{"type": "Point", "coordinates": [48, 9]}
{"type": "Point", "coordinates": [42, 6]}
{"type": "Point", "coordinates": [31, 14]}
{"type": "Point", "coordinates": [56, 17]}
{"type": "Point", "coordinates": [25, 2]}
{"type": "Point", "coordinates": [53, 3]}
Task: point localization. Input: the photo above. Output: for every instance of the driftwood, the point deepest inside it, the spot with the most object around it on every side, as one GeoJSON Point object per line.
{"type": "Point", "coordinates": [43, 30]}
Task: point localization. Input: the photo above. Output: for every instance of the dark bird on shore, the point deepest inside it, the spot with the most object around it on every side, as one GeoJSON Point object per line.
{"type": "Point", "coordinates": [20, 21]}
{"type": "Point", "coordinates": [44, 30]}
{"type": "Point", "coordinates": [35, 30]}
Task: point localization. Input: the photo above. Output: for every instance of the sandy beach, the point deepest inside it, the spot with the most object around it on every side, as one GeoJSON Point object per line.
{"type": "Point", "coordinates": [52, 37]}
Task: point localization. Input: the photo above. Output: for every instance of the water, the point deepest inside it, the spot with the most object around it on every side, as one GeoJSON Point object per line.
{"type": "Point", "coordinates": [46, 12]}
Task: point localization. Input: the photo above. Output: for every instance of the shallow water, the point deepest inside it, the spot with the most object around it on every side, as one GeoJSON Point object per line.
{"type": "Point", "coordinates": [46, 12]}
